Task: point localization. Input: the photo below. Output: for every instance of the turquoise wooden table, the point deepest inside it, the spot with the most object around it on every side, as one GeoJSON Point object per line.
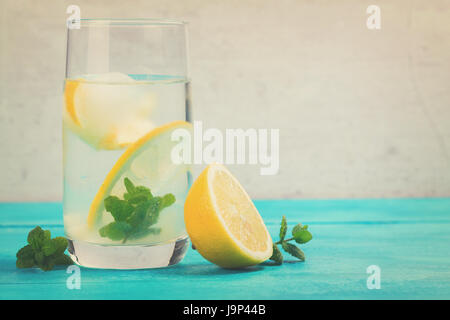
{"type": "Point", "coordinates": [408, 239]}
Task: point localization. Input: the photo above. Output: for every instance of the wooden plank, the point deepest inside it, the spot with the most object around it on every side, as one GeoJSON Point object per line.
{"type": "Point", "coordinates": [408, 239]}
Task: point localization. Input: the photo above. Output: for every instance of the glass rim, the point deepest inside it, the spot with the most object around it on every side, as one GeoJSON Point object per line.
{"type": "Point", "coordinates": [131, 22]}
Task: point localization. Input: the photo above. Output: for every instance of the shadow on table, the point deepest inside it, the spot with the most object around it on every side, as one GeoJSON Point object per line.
{"type": "Point", "coordinates": [211, 269]}
{"type": "Point", "coordinates": [207, 269]}
{"type": "Point", "coordinates": [273, 264]}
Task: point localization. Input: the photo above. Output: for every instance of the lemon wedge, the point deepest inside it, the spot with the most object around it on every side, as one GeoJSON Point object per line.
{"type": "Point", "coordinates": [147, 162]}
{"type": "Point", "coordinates": [108, 111]}
{"type": "Point", "coordinates": [222, 221]}
{"type": "Point", "coordinates": [69, 93]}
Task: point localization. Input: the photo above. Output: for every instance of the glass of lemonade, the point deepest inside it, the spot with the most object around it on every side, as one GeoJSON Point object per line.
{"type": "Point", "coordinates": [126, 92]}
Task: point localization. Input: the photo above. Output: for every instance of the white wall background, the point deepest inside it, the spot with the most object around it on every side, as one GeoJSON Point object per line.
{"type": "Point", "coordinates": [361, 113]}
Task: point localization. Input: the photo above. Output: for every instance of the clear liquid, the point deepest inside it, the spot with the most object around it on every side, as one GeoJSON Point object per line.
{"type": "Point", "coordinates": [102, 118]}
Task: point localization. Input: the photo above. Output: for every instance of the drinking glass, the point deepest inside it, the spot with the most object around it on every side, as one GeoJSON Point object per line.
{"type": "Point", "coordinates": [126, 91]}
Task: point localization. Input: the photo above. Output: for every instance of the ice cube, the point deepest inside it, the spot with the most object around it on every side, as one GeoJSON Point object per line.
{"type": "Point", "coordinates": [113, 109]}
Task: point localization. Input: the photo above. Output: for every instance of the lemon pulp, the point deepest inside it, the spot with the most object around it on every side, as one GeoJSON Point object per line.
{"type": "Point", "coordinates": [222, 221]}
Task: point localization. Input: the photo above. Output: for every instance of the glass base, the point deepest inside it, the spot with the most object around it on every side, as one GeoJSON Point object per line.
{"type": "Point", "coordinates": [127, 257]}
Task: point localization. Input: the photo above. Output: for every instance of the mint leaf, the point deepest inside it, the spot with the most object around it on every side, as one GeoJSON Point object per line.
{"type": "Point", "coordinates": [135, 213]}
{"type": "Point", "coordinates": [25, 257]}
{"type": "Point", "coordinates": [153, 210]}
{"type": "Point", "coordinates": [48, 248]}
{"type": "Point", "coordinates": [39, 258]}
{"type": "Point", "coordinates": [293, 250]}
{"type": "Point", "coordinates": [119, 209]}
{"type": "Point", "coordinates": [277, 256]}
{"type": "Point", "coordinates": [136, 195]}
{"type": "Point", "coordinates": [301, 234]}
{"type": "Point", "coordinates": [25, 263]}
{"type": "Point", "coordinates": [129, 185]}
{"type": "Point", "coordinates": [141, 194]}
{"type": "Point", "coordinates": [137, 218]}
{"type": "Point", "coordinates": [25, 252]}
{"type": "Point", "coordinates": [60, 243]}
{"type": "Point", "coordinates": [46, 264]}
{"type": "Point", "coordinates": [167, 200]}
{"type": "Point", "coordinates": [37, 236]}
{"type": "Point", "coordinates": [283, 228]}
{"type": "Point", "coordinates": [57, 245]}
{"type": "Point", "coordinates": [117, 230]}
{"type": "Point", "coordinates": [146, 214]}
{"type": "Point", "coordinates": [62, 260]}
{"type": "Point", "coordinates": [42, 251]}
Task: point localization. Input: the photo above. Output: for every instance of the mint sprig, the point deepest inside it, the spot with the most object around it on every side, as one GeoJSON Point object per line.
{"type": "Point", "coordinates": [300, 234]}
{"type": "Point", "coordinates": [42, 251]}
{"type": "Point", "coordinates": [135, 213]}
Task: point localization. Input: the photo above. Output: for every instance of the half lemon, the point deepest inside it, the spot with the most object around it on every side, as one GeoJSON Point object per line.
{"type": "Point", "coordinates": [222, 221]}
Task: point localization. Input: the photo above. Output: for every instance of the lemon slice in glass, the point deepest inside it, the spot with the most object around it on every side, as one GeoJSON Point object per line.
{"type": "Point", "coordinates": [108, 111]}
{"type": "Point", "coordinates": [146, 162]}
